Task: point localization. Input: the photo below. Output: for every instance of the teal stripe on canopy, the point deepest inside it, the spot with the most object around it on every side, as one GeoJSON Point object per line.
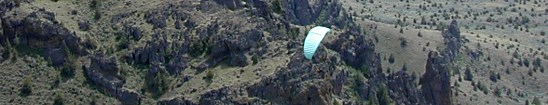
{"type": "Point", "coordinates": [313, 40]}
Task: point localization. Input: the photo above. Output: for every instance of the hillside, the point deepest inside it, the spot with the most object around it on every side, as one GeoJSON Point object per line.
{"type": "Point", "coordinates": [387, 52]}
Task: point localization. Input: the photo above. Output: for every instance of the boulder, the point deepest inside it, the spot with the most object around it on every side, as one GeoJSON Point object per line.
{"type": "Point", "coordinates": [57, 56]}
{"type": "Point", "coordinates": [157, 18]}
{"type": "Point", "coordinates": [238, 59]}
{"type": "Point", "coordinates": [132, 32]}
{"type": "Point", "coordinates": [127, 97]}
{"type": "Point", "coordinates": [83, 25]}
{"type": "Point", "coordinates": [103, 73]}
{"type": "Point", "coordinates": [176, 65]}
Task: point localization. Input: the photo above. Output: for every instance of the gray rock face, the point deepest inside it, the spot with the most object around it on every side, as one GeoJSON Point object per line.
{"type": "Point", "coordinates": [7, 5]}
{"type": "Point", "coordinates": [259, 8]}
{"type": "Point", "coordinates": [2, 55]}
{"type": "Point", "coordinates": [452, 40]}
{"type": "Point", "coordinates": [231, 47]}
{"type": "Point", "coordinates": [57, 56]}
{"type": "Point", "coordinates": [132, 32]}
{"type": "Point", "coordinates": [356, 52]}
{"type": "Point", "coordinates": [302, 82]}
{"type": "Point", "coordinates": [40, 27]}
{"type": "Point", "coordinates": [127, 97]}
{"type": "Point", "coordinates": [157, 18]}
{"type": "Point", "coordinates": [435, 82]}
{"type": "Point", "coordinates": [176, 65]}
{"type": "Point", "coordinates": [103, 73]}
{"type": "Point", "coordinates": [155, 81]}
{"type": "Point", "coordinates": [175, 101]}
{"type": "Point", "coordinates": [404, 89]}
{"type": "Point", "coordinates": [231, 4]}
{"type": "Point", "coordinates": [153, 52]}
{"type": "Point", "coordinates": [305, 12]}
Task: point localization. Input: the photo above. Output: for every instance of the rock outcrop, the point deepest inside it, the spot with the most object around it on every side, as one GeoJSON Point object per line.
{"type": "Point", "coordinates": [57, 56]}
{"type": "Point", "coordinates": [403, 88]}
{"type": "Point", "coordinates": [103, 73]}
{"type": "Point", "coordinates": [321, 12]}
{"type": "Point", "coordinates": [302, 82]}
{"type": "Point", "coordinates": [2, 54]}
{"type": "Point", "coordinates": [356, 52]}
{"type": "Point", "coordinates": [83, 25]}
{"type": "Point", "coordinates": [452, 40]}
{"type": "Point", "coordinates": [231, 4]}
{"type": "Point", "coordinates": [435, 82]}
{"type": "Point", "coordinates": [32, 33]}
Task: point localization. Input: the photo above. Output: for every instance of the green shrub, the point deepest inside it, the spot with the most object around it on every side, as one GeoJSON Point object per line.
{"type": "Point", "coordinates": [26, 89]}
{"type": "Point", "coordinates": [255, 59]}
{"type": "Point", "coordinates": [403, 42]}
{"type": "Point", "coordinates": [159, 85]}
{"type": "Point", "coordinates": [93, 101]}
{"type": "Point", "coordinates": [209, 75]}
{"type": "Point", "coordinates": [482, 87]}
{"type": "Point", "coordinates": [383, 97]}
{"type": "Point", "coordinates": [537, 62]}
{"type": "Point", "coordinates": [95, 6]}
{"type": "Point", "coordinates": [67, 72]}
{"type": "Point", "coordinates": [498, 92]}
{"type": "Point", "coordinates": [364, 69]}
{"type": "Point", "coordinates": [493, 76]}
{"type": "Point", "coordinates": [391, 59]}
{"type": "Point", "coordinates": [7, 50]}
{"type": "Point", "coordinates": [58, 100]}
{"type": "Point", "coordinates": [536, 101]}
{"type": "Point", "coordinates": [97, 14]}
{"type": "Point", "coordinates": [123, 44]}
{"type": "Point", "coordinates": [404, 67]}
{"type": "Point", "coordinates": [526, 62]}
{"type": "Point", "coordinates": [293, 32]}
{"type": "Point", "coordinates": [198, 48]}
{"type": "Point", "coordinates": [277, 6]}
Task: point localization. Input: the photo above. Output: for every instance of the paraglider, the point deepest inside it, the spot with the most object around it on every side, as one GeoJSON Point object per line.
{"type": "Point", "coordinates": [313, 40]}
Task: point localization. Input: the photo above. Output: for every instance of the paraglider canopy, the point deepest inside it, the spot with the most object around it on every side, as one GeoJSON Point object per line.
{"type": "Point", "coordinates": [313, 40]}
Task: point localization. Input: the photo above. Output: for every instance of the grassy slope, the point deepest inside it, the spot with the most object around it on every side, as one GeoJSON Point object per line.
{"type": "Point", "coordinates": [385, 17]}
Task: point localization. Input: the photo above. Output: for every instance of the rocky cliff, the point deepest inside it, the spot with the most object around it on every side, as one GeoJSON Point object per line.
{"type": "Point", "coordinates": [436, 85]}
{"type": "Point", "coordinates": [221, 52]}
